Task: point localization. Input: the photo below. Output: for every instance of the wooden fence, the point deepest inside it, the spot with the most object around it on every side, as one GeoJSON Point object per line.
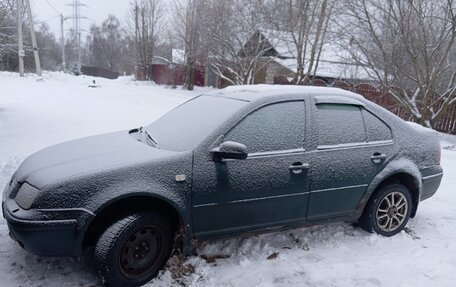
{"type": "Point", "coordinates": [446, 124]}
{"type": "Point", "coordinates": [174, 75]}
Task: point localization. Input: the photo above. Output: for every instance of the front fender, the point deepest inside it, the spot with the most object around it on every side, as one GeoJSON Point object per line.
{"type": "Point", "coordinates": [178, 200]}
{"type": "Point", "coordinates": [401, 165]}
{"type": "Point", "coordinates": [109, 199]}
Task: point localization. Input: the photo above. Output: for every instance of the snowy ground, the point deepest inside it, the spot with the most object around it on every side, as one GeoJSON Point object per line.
{"type": "Point", "coordinates": [35, 114]}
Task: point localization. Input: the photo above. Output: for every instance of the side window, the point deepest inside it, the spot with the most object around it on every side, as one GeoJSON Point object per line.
{"type": "Point", "coordinates": [271, 128]}
{"type": "Point", "coordinates": [339, 124]}
{"type": "Point", "coordinates": [377, 130]}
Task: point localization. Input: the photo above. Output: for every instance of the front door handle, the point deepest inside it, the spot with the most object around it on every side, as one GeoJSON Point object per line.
{"type": "Point", "coordinates": [378, 157]}
{"type": "Point", "coordinates": [298, 167]}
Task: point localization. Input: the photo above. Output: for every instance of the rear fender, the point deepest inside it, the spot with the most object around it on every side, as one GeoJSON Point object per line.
{"type": "Point", "coordinates": [402, 165]}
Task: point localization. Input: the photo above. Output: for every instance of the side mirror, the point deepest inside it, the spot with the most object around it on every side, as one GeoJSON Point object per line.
{"type": "Point", "coordinates": [230, 150]}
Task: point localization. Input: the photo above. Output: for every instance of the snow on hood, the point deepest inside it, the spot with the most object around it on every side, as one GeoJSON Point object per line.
{"type": "Point", "coordinates": [84, 155]}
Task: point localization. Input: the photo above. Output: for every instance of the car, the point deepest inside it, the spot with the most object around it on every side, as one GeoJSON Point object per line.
{"type": "Point", "coordinates": [235, 161]}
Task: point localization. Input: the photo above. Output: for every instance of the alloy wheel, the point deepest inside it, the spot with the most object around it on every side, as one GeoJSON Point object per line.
{"type": "Point", "coordinates": [392, 211]}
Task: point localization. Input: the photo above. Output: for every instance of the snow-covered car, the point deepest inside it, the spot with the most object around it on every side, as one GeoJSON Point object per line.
{"type": "Point", "coordinates": [239, 160]}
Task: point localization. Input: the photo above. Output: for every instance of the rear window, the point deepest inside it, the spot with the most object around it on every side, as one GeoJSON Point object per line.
{"type": "Point", "coordinates": [377, 130]}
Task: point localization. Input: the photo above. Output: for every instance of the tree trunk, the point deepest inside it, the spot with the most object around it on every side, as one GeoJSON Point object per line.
{"type": "Point", "coordinates": [190, 76]}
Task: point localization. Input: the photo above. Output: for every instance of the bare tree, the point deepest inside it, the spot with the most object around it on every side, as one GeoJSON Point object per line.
{"type": "Point", "coordinates": [146, 23]}
{"type": "Point", "coordinates": [235, 37]}
{"type": "Point", "coordinates": [113, 44]}
{"type": "Point", "coordinates": [191, 39]}
{"type": "Point", "coordinates": [107, 45]}
{"type": "Point", "coordinates": [187, 33]}
{"type": "Point", "coordinates": [8, 38]}
{"type": "Point", "coordinates": [238, 47]}
{"type": "Point", "coordinates": [50, 50]}
{"type": "Point", "coordinates": [305, 25]}
{"type": "Point", "coordinates": [409, 48]}
{"type": "Point", "coordinates": [71, 53]}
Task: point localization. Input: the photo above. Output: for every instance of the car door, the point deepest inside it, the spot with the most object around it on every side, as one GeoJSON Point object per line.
{"type": "Point", "coordinates": [351, 145]}
{"type": "Point", "coordinates": [269, 188]}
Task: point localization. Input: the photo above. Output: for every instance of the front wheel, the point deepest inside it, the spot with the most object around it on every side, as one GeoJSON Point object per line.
{"type": "Point", "coordinates": [388, 211]}
{"type": "Point", "coordinates": [132, 250]}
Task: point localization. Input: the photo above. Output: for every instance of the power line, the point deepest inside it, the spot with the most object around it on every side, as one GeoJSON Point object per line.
{"type": "Point", "coordinates": [68, 25]}
{"type": "Point", "coordinates": [93, 9]}
{"type": "Point", "coordinates": [48, 19]}
{"type": "Point", "coordinates": [53, 7]}
{"type": "Point", "coordinates": [76, 5]}
{"type": "Point", "coordinates": [57, 11]}
{"type": "Point", "coordinates": [62, 39]}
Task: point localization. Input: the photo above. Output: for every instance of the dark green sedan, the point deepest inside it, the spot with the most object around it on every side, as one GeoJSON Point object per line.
{"type": "Point", "coordinates": [239, 160]}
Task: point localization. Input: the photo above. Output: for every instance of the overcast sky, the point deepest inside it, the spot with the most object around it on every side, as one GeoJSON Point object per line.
{"type": "Point", "coordinates": [95, 10]}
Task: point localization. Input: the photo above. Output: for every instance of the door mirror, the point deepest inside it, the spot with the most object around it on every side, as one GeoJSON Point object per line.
{"type": "Point", "coordinates": [230, 150]}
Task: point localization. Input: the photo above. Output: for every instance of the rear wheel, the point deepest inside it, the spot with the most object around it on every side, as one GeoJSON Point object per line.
{"type": "Point", "coordinates": [388, 211]}
{"type": "Point", "coordinates": [132, 250]}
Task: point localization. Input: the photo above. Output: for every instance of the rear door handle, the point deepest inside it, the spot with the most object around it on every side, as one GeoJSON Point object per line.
{"type": "Point", "coordinates": [378, 157]}
{"type": "Point", "coordinates": [298, 167]}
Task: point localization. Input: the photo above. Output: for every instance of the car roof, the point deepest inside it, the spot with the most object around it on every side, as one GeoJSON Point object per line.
{"type": "Point", "coordinates": [250, 93]}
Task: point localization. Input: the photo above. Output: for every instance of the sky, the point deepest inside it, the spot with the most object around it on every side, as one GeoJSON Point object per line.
{"type": "Point", "coordinates": [95, 10]}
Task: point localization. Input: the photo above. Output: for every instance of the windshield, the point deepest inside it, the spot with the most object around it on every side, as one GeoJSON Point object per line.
{"type": "Point", "coordinates": [184, 127]}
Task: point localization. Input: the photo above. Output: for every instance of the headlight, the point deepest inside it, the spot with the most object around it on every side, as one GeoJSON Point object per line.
{"type": "Point", "coordinates": [26, 195]}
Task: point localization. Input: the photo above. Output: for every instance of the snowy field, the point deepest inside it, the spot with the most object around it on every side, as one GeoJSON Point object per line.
{"type": "Point", "coordinates": [35, 114]}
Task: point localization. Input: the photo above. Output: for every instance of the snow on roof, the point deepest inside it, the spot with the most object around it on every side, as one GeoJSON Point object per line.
{"type": "Point", "coordinates": [251, 92]}
{"type": "Point", "coordinates": [281, 41]}
{"type": "Point", "coordinates": [334, 61]}
{"type": "Point", "coordinates": [178, 56]}
{"type": "Point", "coordinates": [329, 69]}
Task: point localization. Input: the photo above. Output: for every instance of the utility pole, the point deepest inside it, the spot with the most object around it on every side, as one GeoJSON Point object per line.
{"type": "Point", "coordinates": [62, 41]}
{"type": "Point", "coordinates": [76, 4]}
{"type": "Point", "coordinates": [137, 62]}
{"type": "Point", "coordinates": [77, 28]}
{"type": "Point", "coordinates": [20, 51]}
{"type": "Point", "coordinates": [32, 34]}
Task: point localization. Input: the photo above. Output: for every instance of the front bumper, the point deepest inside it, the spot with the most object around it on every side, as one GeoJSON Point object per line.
{"type": "Point", "coordinates": [46, 232]}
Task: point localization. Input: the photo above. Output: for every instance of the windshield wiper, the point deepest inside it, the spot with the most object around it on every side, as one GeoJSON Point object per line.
{"type": "Point", "coordinates": [142, 130]}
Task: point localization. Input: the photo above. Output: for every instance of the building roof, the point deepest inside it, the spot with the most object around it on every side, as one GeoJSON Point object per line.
{"type": "Point", "coordinates": [328, 68]}
{"type": "Point", "coordinates": [334, 61]}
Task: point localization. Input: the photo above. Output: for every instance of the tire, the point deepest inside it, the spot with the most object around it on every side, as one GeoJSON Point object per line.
{"type": "Point", "coordinates": [132, 250]}
{"type": "Point", "coordinates": [387, 211]}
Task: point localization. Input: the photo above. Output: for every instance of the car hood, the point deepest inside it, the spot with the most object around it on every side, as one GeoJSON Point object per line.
{"type": "Point", "coordinates": [82, 156]}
